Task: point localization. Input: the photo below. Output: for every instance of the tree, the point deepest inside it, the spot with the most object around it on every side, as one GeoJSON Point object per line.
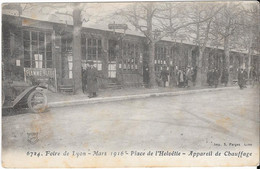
{"type": "Point", "coordinates": [156, 21]}
{"type": "Point", "coordinates": [200, 32]}
{"type": "Point", "coordinates": [224, 25]}
{"type": "Point", "coordinates": [246, 37]}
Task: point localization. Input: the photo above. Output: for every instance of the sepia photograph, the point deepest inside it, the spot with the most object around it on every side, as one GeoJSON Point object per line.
{"type": "Point", "coordinates": [130, 84]}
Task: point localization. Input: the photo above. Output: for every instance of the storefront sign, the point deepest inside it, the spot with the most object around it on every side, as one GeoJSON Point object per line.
{"type": "Point", "coordinates": [44, 75]}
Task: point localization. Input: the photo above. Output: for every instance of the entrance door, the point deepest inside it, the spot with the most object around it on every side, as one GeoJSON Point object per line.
{"type": "Point", "coordinates": [112, 65]}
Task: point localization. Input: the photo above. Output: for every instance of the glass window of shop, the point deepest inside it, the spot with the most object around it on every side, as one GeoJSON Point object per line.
{"type": "Point", "coordinates": [130, 56]}
{"type": "Point", "coordinates": [91, 49]}
{"type": "Point", "coordinates": [160, 58]}
{"type": "Point", "coordinates": [37, 49]}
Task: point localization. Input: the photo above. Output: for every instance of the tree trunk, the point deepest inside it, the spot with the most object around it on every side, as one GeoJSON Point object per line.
{"type": "Point", "coordinates": [152, 82]}
{"type": "Point", "coordinates": [226, 63]}
{"type": "Point", "coordinates": [199, 68]}
{"type": "Point", "coordinates": [151, 47]}
{"type": "Point", "coordinates": [77, 24]}
{"type": "Point", "coordinates": [250, 53]}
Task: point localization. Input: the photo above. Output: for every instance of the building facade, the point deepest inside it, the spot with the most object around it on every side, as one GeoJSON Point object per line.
{"type": "Point", "coordinates": [44, 49]}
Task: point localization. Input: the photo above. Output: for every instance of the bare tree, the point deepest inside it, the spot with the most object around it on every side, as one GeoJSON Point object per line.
{"type": "Point", "coordinates": [224, 25]}
{"type": "Point", "coordinates": [156, 21]}
{"type": "Point", "coordinates": [246, 37]}
{"type": "Point", "coordinates": [200, 32]}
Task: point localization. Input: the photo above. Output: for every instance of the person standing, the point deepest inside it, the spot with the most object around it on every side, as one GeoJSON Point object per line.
{"type": "Point", "coordinates": [254, 76]}
{"type": "Point", "coordinates": [180, 78]}
{"type": "Point", "coordinates": [84, 78]}
{"type": "Point", "coordinates": [194, 75]}
{"type": "Point", "coordinates": [224, 77]}
{"type": "Point", "coordinates": [92, 83]}
{"type": "Point", "coordinates": [188, 76]}
{"type": "Point", "coordinates": [240, 78]}
{"type": "Point", "coordinates": [164, 76]}
{"type": "Point", "coordinates": [215, 77]}
{"type": "Point", "coordinates": [210, 77]}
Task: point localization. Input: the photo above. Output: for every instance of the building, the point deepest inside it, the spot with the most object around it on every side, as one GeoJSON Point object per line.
{"type": "Point", "coordinates": [43, 49]}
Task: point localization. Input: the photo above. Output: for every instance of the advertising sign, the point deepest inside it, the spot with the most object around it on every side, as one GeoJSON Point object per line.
{"type": "Point", "coordinates": [46, 75]}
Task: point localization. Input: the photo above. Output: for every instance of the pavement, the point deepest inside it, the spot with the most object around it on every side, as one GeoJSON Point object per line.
{"type": "Point", "coordinates": [219, 121]}
{"type": "Point", "coordinates": [110, 95]}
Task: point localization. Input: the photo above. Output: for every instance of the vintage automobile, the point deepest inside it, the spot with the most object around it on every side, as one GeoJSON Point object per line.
{"type": "Point", "coordinates": [19, 94]}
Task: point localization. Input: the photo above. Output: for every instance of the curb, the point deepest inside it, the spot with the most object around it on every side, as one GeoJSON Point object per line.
{"type": "Point", "coordinates": [131, 97]}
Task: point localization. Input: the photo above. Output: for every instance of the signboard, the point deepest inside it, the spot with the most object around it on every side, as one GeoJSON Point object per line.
{"type": "Point", "coordinates": [117, 26]}
{"type": "Point", "coordinates": [44, 75]}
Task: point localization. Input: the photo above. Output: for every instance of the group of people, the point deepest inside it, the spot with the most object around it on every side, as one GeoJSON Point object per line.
{"type": "Point", "coordinates": [213, 77]}
{"type": "Point", "coordinates": [89, 79]}
{"type": "Point", "coordinates": [185, 76]}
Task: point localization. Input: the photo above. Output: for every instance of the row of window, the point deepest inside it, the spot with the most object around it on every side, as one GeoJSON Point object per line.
{"type": "Point", "coordinates": [37, 49]}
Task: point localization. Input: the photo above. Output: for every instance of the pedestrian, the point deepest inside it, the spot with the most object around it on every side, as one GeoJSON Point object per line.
{"type": "Point", "coordinates": [187, 76]}
{"type": "Point", "coordinates": [92, 83]}
{"type": "Point", "coordinates": [245, 74]}
{"type": "Point", "coordinates": [164, 75]}
{"type": "Point", "coordinates": [254, 76]}
{"type": "Point", "coordinates": [210, 77]}
{"type": "Point", "coordinates": [180, 78]}
{"type": "Point", "coordinates": [241, 78]}
{"type": "Point", "coordinates": [215, 77]}
{"type": "Point", "coordinates": [84, 78]}
{"type": "Point", "coordinates": [224, 77]}
{"type": "Point", "coordinates": [194, 75]}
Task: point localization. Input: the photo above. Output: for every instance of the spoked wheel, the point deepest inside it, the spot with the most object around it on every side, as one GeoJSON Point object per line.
{"type": "Point", "coordinates": [37, 101]}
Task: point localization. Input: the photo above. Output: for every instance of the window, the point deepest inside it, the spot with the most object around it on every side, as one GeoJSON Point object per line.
{"type": "Point", "coordinates": [160, 57]}
{"type": "Point", "coordinates": [130, 57]}
{"type": "Point", "coordinates": [67, 59]}
{"type": "Point", "coordinates": [37, 49]}
{"type": "Point", "coordinates": [94, 51]}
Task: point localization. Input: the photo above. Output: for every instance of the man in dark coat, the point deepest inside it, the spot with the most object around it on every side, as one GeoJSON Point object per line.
{"type": "Point", "coordinates": [164, 76]}
{"type": "Point", "coordinates": [84, 79]}
{"type": "Point", "coordinates": [241, 78]}
{"type": "Point", "coordinates": [210, 79]}
{"type": "Point", "coordinates": [194, 75]}
{"type": "Point", "coordinates": [224, 77]}
{"type": "Point", "coordinates": [92, 83]}
{"type": "Point", "coordinates": [215, 77]}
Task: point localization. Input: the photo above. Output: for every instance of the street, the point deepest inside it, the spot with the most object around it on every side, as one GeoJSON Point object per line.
{"type": "Point", "coordinates": [195, 121]}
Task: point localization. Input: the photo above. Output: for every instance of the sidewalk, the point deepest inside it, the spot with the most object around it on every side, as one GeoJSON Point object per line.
{"type": "Point", "coordinates": [109, 95]}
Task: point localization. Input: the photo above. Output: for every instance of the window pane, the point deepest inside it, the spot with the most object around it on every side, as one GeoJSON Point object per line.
{"type": "Point", "coordinates": [27, 63]}
{"type": "Point", "coordinates": [34, 36]}
{"type": "Point", "coordinates": [49, 56]}
{"type": "Point", "coordinates": [41, 36]}
{"type": "Point", "coordinates": [41, 45]}
{"type": "Point", "coordinates": [48, 38]}
{"type": "Point", "coordinates": [48, 47]}
{"type": "Point", "coordinates": [94, 42]}
{"type": "Point", "coordinates": [26, 45]}
{"type": "Point", "coordinates": [49, 64]}
{"type": "Point", "coordinates": [33, 64]}
{"type": "Point", "coordinates": [42, 55]}
{"type": "Point", "coordinates": [34, 46]}
{"type": "Point", "coordinates": [26, 35]}
{"type": "Point", "coordinates": [26, 55]}
{"type": "Point", "coordinates": [89, 42]}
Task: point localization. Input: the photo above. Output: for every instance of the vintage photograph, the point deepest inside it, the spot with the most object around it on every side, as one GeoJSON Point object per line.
{"type": "Point", "coordinates": [130, 84]}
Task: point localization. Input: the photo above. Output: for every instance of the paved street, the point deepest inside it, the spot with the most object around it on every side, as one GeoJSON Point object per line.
{"type": "Point", "coordinates": [194, 121]}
